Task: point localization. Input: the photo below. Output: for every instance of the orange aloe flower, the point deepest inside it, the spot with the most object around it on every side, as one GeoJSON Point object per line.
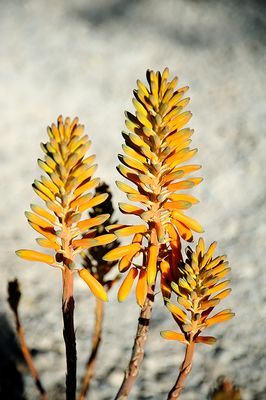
{"type": "Point", "coordinates": [64, 190]}
{"type": "Point", "coordinates": [155, 161]}
{"type": "Point", "coordinates": [199, 289]}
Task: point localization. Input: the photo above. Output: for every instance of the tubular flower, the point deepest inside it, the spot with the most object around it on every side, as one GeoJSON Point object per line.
{"type": "Point", "coordinates": [155, 151]}
{"type": "Point", "coordinates": [64, 190]}
{"type": "Point", "coordinates": [199, 289]}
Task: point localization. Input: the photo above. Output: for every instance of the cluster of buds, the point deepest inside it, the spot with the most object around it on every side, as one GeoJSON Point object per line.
{"type": "Point", "coordinates": [64, 190]}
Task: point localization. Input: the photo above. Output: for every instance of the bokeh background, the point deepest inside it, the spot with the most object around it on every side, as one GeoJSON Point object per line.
{"type": "Point", "coordinates": [83, 58]}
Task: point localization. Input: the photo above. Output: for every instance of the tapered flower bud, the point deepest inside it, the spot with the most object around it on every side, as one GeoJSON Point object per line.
{"type": "Point", "coordinates": [199, 289]}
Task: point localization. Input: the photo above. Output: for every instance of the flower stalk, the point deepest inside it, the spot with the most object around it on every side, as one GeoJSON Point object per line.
{"type": "Point", "coordinates": [132, 371]}
{"type": "Point", "coordinates": [184, 371]}
{"type": "Point", "coordinates": [199, 290]}
{"type": "Point", "coordinates": [96, 341]}
{"type": "Point", "coordinates": [99, 269]}
{"type": "Point", "coordinates": [14, 295]}
{"type": "Point", "coordinates": [64, 190]}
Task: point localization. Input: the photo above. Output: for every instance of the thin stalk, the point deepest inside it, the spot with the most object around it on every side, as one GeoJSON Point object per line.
{"type": "Point", "coordinates": [184, 371]}
{"type": "Point", "coordinates": [68, 305]}
{"type": "Point", "coordinates": [137, 355]}
{"type": "Point", "coordinates": [96, 340]}
{"type": "Point", "coordinates": [28, 358]}
{"type": "Point", "coordinates": [14, 295]}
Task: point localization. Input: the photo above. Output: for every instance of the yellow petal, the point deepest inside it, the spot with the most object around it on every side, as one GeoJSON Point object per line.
{"type": "Point", "coordinates": [178, 313]}
{"type": "Point", "coordinates": [84, 243]}
{"type": "Point", "coordinates": [42, 188]}
{"type": "Point", "coordinates": [183, 185]}
{"type": "Point", "coordinates": [95, 286]}
{"type": "Point", "coordinates": [130, 230]}
{"type": "Point", "coordinates": [153, 252]}
{"type": "Point", "coordinates": [200, 247]}
{"type": "Point", "coordinates": [222, 316]}
{"type": "Point", "coordinates": [138, 198]}
{"type": "Point", "coordinates": [125, 188]}
{"type": "Point", "coordinates": [32, 255]}
{"type": "Point", "coordinates": [183, 197]}
{"type": "Point", "coordinates": [180, 121]}
{"type": "Point", "coordinates": [48, 233]}
{"type": "Point", "coordinates": [45, 167]}
{"type": "Point", "coordinates": [127, 284]}
{"type": "Point", "coordinates": [37, 220]}
{"type": "Point", "coordinates": [180, 204]}
{"type": "Point", "coordinates": [81, 200]}
{"type": "Point", "coordinates": [130, 209]}
{"type": "Point", "coordinates": [104, 239]}
{"type": "Point", "coordinates": [183, 230]}
{"type": "Point", "coordinates": [121, 251]}
{"type": "Point", "coordinates": [131, 163]}
{"type": "Point", "coordinates": [134, 154]}
{"type": "Point", "coordinates": [91, 222]}
{"type": "Point", "coordinates": [223, 294]}
{"type": "Point", "coordinates": [141, 288]}
{"type": "Point", "coordinates": [125, 262]}
{"type": "Point", "coordinates": [43, 213]}
{"type": "Point", "coordinates": [142, 88]}
{"type": "Point", "coordinates": [188, 221]}
{"type": "Point", "coordinates": [95, 201]}
{"type": "Point", "coordinates": [171, 335]}
{"type": "Point", "coordinates": [85, 186]}
{"type": "Point", "coordinates": [48, 244]}
{"type": "Point", "coordinates": [218, 287]}
{"type": "Point", "coordinates": [50, 184]}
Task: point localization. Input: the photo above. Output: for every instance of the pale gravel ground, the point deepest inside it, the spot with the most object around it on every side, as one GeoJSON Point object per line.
{"type": "Point", "coordinates": [83, 58]}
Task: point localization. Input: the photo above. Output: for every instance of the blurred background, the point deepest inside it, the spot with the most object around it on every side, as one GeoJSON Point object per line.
{"type": "Point", "coordinates": [83, 58]}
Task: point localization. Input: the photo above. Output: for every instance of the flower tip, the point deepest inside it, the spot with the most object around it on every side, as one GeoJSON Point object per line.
{"type": "Point", "coordinates": [95, 286]}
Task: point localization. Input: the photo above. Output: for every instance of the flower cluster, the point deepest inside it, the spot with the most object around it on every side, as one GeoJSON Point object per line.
{"type": "Point", "coordinates": [64, 190]}
{"type": "Point", "coordinates": [199, 289]}
{"type": "Point", "coordinates": [156, 152]}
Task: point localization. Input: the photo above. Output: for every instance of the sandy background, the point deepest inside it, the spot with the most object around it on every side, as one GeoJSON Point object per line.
{"type": "Point", "coordinates": [83, 58]}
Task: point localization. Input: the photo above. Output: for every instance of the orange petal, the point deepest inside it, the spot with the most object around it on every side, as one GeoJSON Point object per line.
{"type": "Point", "coordinates": [206, 339]}
{"type": "Point", "coordinates": [171, 335]}
{"type": "Point", "coordinates": [125, 188]}
{"type": "Point", "coordinates": [35, 219]}
{"type": "Point", "coordinates": [78, 201]}
{"type": "Point", "coordinates": [104, 239]}
{"type": "Point", "coordinates": [91, 222]}
{"type": "Point", "coordinates": [48, 244]}
{"type": "Point", "coordinates": [188, 221]}
{"type": "Point", "coordinates": [130, 209]}
{"type": "Point", "coordinates": [183, 230]}
{"type": "Point", "coordinates": [178, 313]}
{"type": "Point", "coordinates": [95, 201]}
{"type": "Point", "coordinates": [127, 284]}
{"type": "Point", "coordinates": [84, 243]}
{"type": "Point", "coordinates": [184, 197]}
{"type": "Point", "coordinates": [95, 286]}
{"type": "Point", "coordinates": [43, 213]}
{"type": "Point", "coordinates": [222, 316]}
{"type": "Point", "coordinates": [186, 184]}
{"type": "Point", "coordinates": [121, 251]}
{"type": "Point", "coordinates": [48, 233]}
{"type": "Point", "coordinates": [32, 255]}
{"type": "Point", "coordinates": [153, 252]}
{"type": "Point", "coordinates": [141, 288]}
{"type": "Point", "coordinates": [82, 188]}
{"type": "Point", "coordinates": [130, 230]}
